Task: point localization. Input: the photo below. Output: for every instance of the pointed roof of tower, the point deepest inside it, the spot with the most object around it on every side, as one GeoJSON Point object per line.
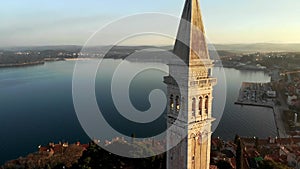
{"type": "Point", "coordinates": [190, 42]}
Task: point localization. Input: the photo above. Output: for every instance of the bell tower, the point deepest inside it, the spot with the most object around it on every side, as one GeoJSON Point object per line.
{"type": "Point", "coordinates": [190, 97]}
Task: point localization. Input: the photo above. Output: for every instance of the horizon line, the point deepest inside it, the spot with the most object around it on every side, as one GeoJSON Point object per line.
{"type": "Point", "coordinates": [132, 45]}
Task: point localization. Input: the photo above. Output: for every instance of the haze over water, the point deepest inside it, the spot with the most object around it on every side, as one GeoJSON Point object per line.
{"type": "Point", "coordinates": [36, 106]}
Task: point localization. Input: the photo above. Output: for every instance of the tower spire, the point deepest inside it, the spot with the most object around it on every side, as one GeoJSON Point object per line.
{"type": "Point", "coordinates": [190, 42]}
{"type": "Point", "coordinates": [190, 95]}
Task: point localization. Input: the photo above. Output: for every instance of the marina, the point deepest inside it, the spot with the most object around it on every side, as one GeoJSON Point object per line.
{"type": "Point", "coordinates": [263, 95]}
{"type": "Point", "coordinates": [256, 94]}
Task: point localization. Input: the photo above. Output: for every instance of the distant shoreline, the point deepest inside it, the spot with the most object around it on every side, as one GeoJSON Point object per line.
{"type": "Point", "coordinates": [27, 64]}
{"type": "Point", "coordinates": [246, 67]}
{"type": "Point", "coordinates": [79, 59]}
{"type": "Point", "coordinates": [22, 64]}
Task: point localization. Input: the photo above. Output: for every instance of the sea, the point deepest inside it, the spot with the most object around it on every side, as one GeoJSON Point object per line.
{"type": "Point", "coordinates": [37, 107]}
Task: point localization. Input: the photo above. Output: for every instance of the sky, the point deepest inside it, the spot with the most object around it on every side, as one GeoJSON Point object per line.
{"type": "Point", "coordinates": [73, 22]}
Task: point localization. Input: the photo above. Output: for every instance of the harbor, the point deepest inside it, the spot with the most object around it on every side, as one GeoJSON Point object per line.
{"type": "Point", "coordinates": [263, 95]}
{"type": "Point", "coordinates": [256, 94]}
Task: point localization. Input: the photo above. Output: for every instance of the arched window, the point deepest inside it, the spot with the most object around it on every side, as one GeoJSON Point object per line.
{"type": "Point", "coordinates": [200, 105]}
{"type": "Point", "coordinates": [177, 103]}
{"type": "Point", "coordinates": [171, 102]}
{"type": "Point", "coordinates": [206, 104]}
{"type": "Point", "coordinates": [194, 106]}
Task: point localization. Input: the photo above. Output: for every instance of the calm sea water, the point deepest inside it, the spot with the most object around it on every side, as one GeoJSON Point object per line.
{"type": "Point", "coordinates": [244, 120]}
{"type": "Point", "coordinates": [36, 106]}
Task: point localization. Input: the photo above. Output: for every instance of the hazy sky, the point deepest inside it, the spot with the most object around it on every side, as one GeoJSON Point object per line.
{"type": "Point", "coordinates": [57, 22]}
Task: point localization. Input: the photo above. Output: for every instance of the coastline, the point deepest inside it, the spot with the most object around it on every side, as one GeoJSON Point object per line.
{"type": "Point", "coordinates": [78, 59]}
{"type": "Point", "coordinates": [22, 64]}
{"type": "Point", "coordinates": [242, 68]}
{"type": "Point", "coordinates": [12, 65]}
{"type": "Point", "coordinates": [282, 133]}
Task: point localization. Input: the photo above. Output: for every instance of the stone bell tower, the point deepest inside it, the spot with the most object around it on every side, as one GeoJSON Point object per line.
{"type": "Point", "coordinates": [190, 95]}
